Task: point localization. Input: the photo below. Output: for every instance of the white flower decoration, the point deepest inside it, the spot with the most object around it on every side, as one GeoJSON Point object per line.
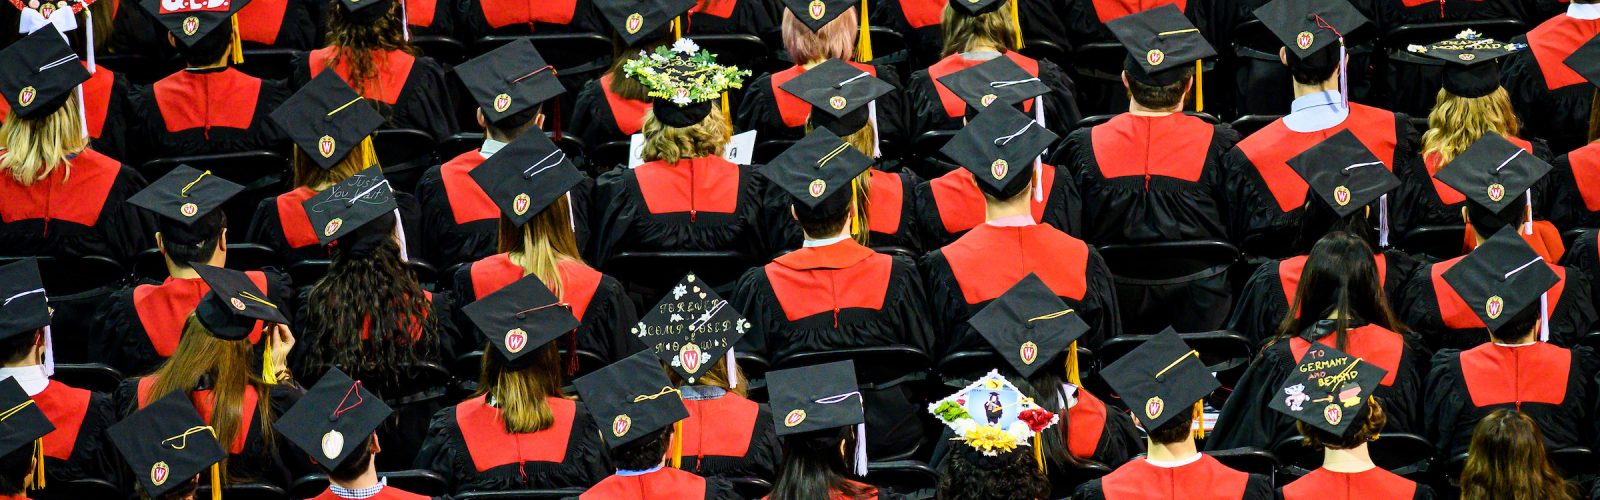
{"type": "Point", "coordinates": [682, 99]}
{"type": "Point", "coordinates": [685, 46]}
{"type": "Point", "coordinates": [678, 291]}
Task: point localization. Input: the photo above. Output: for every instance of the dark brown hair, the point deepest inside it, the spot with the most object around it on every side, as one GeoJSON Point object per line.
{"type": "Point", "coordinates": [1507, 461]}
{"type": "Point", "coordinates": [371, 317]}
{"type": "Point", "coordinates": [356, 43]}
{"type": "Point", "coordinates": [1160, 96]}
{"type": "Point", "coordinates": [1340, 277]}
{"type": "Point", "coordinates": [1176, 430]}
{"type": "Point", "coordinates": [1372, 420]}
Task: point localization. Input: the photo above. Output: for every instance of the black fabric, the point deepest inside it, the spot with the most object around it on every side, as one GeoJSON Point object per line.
{"type": "Point", "coordinates": [1563, 113]}
{"type": "Point", "coordinates": [24, 421]}
{"type": "Point", "coordinates": [1138, 209]}
{"type": "Point", "coordinates": [675, 115]}
{"type": "Point", "coordinates": [447, 241]}
{"type": "Point", "coordinates": [1263, 303]}
{"type": "Point", "coordinates": [187, 24]}
{"type": "Point", "coordinates": [119, 338]}
{"type": "Point", "coordinates": [333, 419]}
{"type": "Point", "coordinates": [234, 305]}
{"type": "Point", "coordinates": [160, 441]}
{"type": "Point", "coordinates": [1451, 414]}
{"type": "Point", "coordinates": [1419, 309]}
{"type": "Point", "coordinates": [816, 169]}
{"type": "Point", "coordinates": [1161, 43]}
{"type": "Point", "coordinates": [444, 450]}
{"type": "Point", "coordinates": [149, 137]}
{"type": "Point", "coordinates": [265, 458]}
{"type": "Point", "coordinates": [604, 328]}
{"type": "Point", "coordinates": [267, 229]}
{"type": "Point", "coordinates": [507, 316]}
{"type": "Point", "coordinates": [40, 72]}
{"type": "Point", "coordinates": [423, 103]}
{"type": "Point", "coordinates": [626, 224]}
{"type": "Point", "coordinates": [1343, 173]}
{"type": "Point", "coordinates": [23, 308]}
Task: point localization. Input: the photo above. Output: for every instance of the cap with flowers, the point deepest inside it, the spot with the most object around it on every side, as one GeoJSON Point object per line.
{"type": "Point", "coordinates": [683, 80]}
{"type": "Point", "coordinates": [992, 417]}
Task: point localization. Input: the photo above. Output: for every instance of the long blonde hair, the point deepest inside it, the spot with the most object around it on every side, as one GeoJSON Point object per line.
{"type": "Point", "coordinates": [836, 40]}
{"type": "Point", "coordinates": [35, 147]}
{"type": "Point", "coordinates": [1456, 122]}
{"type": "Point", "coordinates": [308, 174]}
{"type": "Point", "coordinates": [542, 244]}
{"type": "Point", "coordinates": [520, 394]}
{"type": "Point", "coordinates": [672, 144]}
{"type": "Point", "coordinates": [228, 363]}
{"type": "Point", "coordinates": [961, 30]}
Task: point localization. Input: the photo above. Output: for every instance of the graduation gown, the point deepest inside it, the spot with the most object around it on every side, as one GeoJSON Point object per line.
{"type": "Point", "coordinates": [607, 116]}
{"type": "Point", "coordinates": [963, 277]}
{"type": "Point", "coordinates": [731, 17]}
{"type": "Point", "coordinates": [665, 482]}
{"type": "Point", "coordinates": [257, 454]}
{"type": "Point", "coordinates": [139, 327]}
{"type": "Point", "coordinates": [430, 18]}
{"type": "Point", "coordinates": [480, 18]}
{"type": "Point", "coordinates": [776, 114]}
{"type": "Point", "coordinates": [891, 213]}
{"type": "Point", "coordinates": [1324, 484]}
{"type": "Point", "coordinates": [1086, 20]}
{"type": "Point", "coordinates": [918, 22]}
{"type": "Point", "coordinates": [409, 91]}
{"type": "Point", "coordinates": [1438, 204]}
{"type": "Point", "coordinates": [1553, 385]}
{"type": "Point", "coordinates": [695, 204]}
{"type": "Point", "coordinates": [950, 205]}
{"type": "Point", "coordinates": [469, 446]}
{"type": "Point", "coordinates": [598, 301]}
{"type": "Point", "coordinates": [1247, 422]}
{"type": "Point", "coordinates": [210, 111]}
{"type": "Point", "coordinates": [842, 296]}
{"type": "Point", "coordinates": [1584, 257]}
{"type": "Point", "coordinates": [283, 24]}
{"type": "Point", "coordinates": [729, 436]}
{"type": "Point", "coordinates": [387, 493]}
{"type": "Point", "coordinates": [88, 214]}
{"type": "Point", "coordinates": [932, 106]}
{"type": "Point", "coordinates": [1271, 289]}
{"type": "Point", "coordinates": [281, 223]}
{"type": "Point", "coordinates": [461, 224]}
{"type": "Point", "coordinates": [78, 447]}
{"type": "Point", "coordinates": [1138, 190]}
{"type": "Point", "coordinates": [1551, 97]}
{"type": "Point", "coordinates": [1443, 320]}
{"type": "Point", "coordinates": [1203, 479]}
{"type": "Point", "coordinates": [1573, 200]}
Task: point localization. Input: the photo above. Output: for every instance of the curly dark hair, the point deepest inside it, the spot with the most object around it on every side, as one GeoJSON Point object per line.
{"type": "Point", "coordinates": [970, 475]}
{"type": "Point", "coordinates": [355, 43]}
{"type": "Point", "coordinates": [1369, 422]}
{"type": "Point", "coordinates": [377, 297]}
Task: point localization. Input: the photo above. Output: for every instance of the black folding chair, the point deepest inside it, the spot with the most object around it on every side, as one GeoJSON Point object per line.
{"type": "Point", "coordinates": [92, 376]}
{"type": "Point", "coordinates": [1097, 69]}
{"type": "Point", "coordinates": [751, 487]}
{"type": "Point", "coordinates": [76, 287]}
{"type": "Point", "coordinates": [1574, 462]}
{"type": "Point", "coordinates": [1248, 460]}
{"type": "Point", "coordinates": [570, 53]}
{"type": "Point", "coordinates": [651, 274]}
{"type": "Point", "coordinates": [906, 477]}
{"type": "Point", "coordinates": [445, 50]}
{"type": "Point", "coordinates": [1436, 243]}
{"type": "Point", "coordinates": [404, 154]}
{"type": "Point", "coordinates": [76, 489]}
{"type": "Point", "coordinates": [269, 63]}
{"type": "Point", "coordinates": [1249, 124]}
{"type": "Point", "coordinates": [888, 47]}
{"type": "Point", "coordinates": [1182, 284]}
{"type": "Point", "coordinates": [453, 146]}
{"type": "Point", "coordinates": [754, 368]}
{"type": "Point", "coordinates": [929, 162]}
{"type": "Point", "coordinates": [958, 369]}
{"type": "Point", "coordinates": [608, 156]}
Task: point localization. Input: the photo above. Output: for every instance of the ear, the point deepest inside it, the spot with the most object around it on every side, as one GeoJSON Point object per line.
{"type": "Point", "coordinates": [538, 121]}
{"type": "Point", "coordinates": [222, 241]}
{"type": "Point", "coordinates": [1125, 80]}
{"type": "Point", "coordinates": [483, 124]}
{"type": "Point", "coordinates": [159, 245]}
{"type": "Point", "coordinates": [1464, 219]}
{"type": "Point", "coordinates": [792, 214]}
{"type": "Point", "coordinates": [1283, 55]}
{"type": "Point", "coordinates": [171, 40]}
{"type": "Point", "coordinates": [374, 447]}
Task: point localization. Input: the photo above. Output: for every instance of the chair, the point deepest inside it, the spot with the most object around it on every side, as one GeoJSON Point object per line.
{"type": "Point", "coordinates": [1592, 339]}
{"type": "Point", "coordinates": [1097, 69]}
{"type": "Point", "coordinates": [570, 53]}
{"type": "Point", "coordinates": [1425, 33]}
{"type": "Point", "coordinates": [1407, 455]}
{"type": "Point", "coordinates": [888, 47]}
{"type": "Point", "coordinates": [1224, 353]}
{"type": "Point", "coordinates": [269, 63]}
{"type": "Point", "coordinates": [651, 274]}
{"type": "Point", "coordinates": [455, 145]}
{"type": "Point", "coordinates": [1042, 49]}
{"type": "Point", "coordinates": [1436, 243]}
{"type": "Point", "coordinates": [149, 265]}
{"type": "Point", "coordinates": [754, 368]}
{"type": "Point", "coordinates": [960, 368]}
{"type": "Point", "coordinates": [77, 489]}
{"type": "Point", "coordinates": [307, 272]}
{"type": "Point", "coordinates": [1064, 483]}
{"type": "Point", "coordinates": [767, 150]}
{"type": "Point", "coordinates": [1249, 124]}
{"type": "Point", "coordinates": [250, 491]}
{"type": "Point", "coordinates": [93, 376]}
{"type": "Point", "coordinates": [445, 50]}
{"type": "Point", "coordinates": [895, 251]}
{"type": "Point", "coordinates": [1182, 284]}
{"type": "Point", "coordinates": [405, 154]}
{"type": "Point", "coordinates": [77, 286]}
{"type": "Point", "coordinates": [744, 51]}
{"type": "Point", "coordinates": [464, 370]}
{"type": "Point", "coordinates": [905, 477]}
{"type": "Point", "coordinates": [751, 487]}
{"type": "Point", "coordinates": [518, 494]}
{"type": "Point", "coordinates": [932, 163]}
{"type": "Point", "coordinates": [1574, 462]}
{"type": "Point", "coordinates": [422, 482]}
{"type": "Point", "coordinates": [1570, 236]}
{"type": "Point", "coordinates": [1248, 460]}
{"type": "Point", "coordinates": [607, 156]}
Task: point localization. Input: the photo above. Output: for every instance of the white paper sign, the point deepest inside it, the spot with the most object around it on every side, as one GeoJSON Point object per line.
{"type": "Point", "coordinates": [739, 150]}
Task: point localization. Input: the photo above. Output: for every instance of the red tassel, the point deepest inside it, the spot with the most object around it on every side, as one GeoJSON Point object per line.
{"type": "Point", "coordinates": [572, 352]}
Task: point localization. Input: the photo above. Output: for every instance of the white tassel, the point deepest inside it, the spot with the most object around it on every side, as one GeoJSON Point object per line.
{"type": "Point", "coordinates": [1344, 72]}
{"type": "Point", "coordinates": [872, 117]}
{"type": "Point", "coordinates": [1527, 227]}
{"type": "Point", "coordinates": [405, 21]}
{"type": "Point", "coordinates": [1544, 317]}
{"type": "Point", "coordinates": [83, 118]}
{"type": "Point", "coordinates": [49, 353]}
{"type": "Point", "coordinates": [400, 231]}
{"type": "Point", "coordinates": [1383, 221]}
{"type": "Point", "coordinates": [88, 36]}
{"type": "Point", "coordinates": [572, 216]}
{"type": "Point", "coordinates": [861, 450]}
{"type": "Point", "coordinates": [733, 370]}
{"type": "Point", "coordinates": [1038, 180]}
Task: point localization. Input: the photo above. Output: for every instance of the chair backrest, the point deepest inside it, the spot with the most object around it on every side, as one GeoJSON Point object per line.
{"type": "Point", "coordinates": [76, 489]}
{"type": "Point", "coordinates": [750, 487]}
{"type": "Point", "coordinates": [453, 146]}
{"type": "Point", "coordinates": [1436, 243]}
{"type": "Point", "coordinates": [744, 51]}
{"type": "Point", "coordinates": [518, 494]}
{"type": "Point", "coordinates": [902, 476]}
{"type": "Point", "coordinates": [769, 149]}
{"type": "Point", "coordinates": [932, 163]}
{"type": "Point", "coordinates": [92, 376]}
{"type": "Point", "coordinates": [651, 274]}
{"type": "Point", "coordinates": [1574, 462]}
{"type": "Point", "coordinates": [405, 154]}
{"type": "Point", "coordinates": [250, 491]}
{"type": "Point", "coordinates": [1425, 33]}
{"type": "Point", "coordinates": [1248, 460]}
{"type": "Point", "coordinates": [879, 366]}
{"type": "Point", "coordinates": [964, 366]}
{"type": "Point", "coordinates": [608, 156]}
{"type": "Point", "coordinates": [307, 272]}
{"type": "Point", "coordinates": [1171, 260]}
{"type": "Point", "coordinates": [1100, 61]}
{"type": "Point", "coordinates": [1221, 350]}
{"type": "Point", "coordinates": [1249, 124]}
{"type": "Point", "coordinates": [149, 265]}
{"type": "Point", "coordinates": [570, 53]}
{"type": "Point", "coordinates": [1044, 50]}
{"type": "Point", "coordinates": [270, 63]}
{"type": "Point", "coordinates": [1064, 483]}
{"type": "Point", "coordinates": [445, 50]}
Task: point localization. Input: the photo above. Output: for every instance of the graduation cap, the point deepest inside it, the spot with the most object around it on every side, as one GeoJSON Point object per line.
{"type": "Point", "coordinates": [1344, 173]}
{"type": "Point", "coordinates": [1470, 69]}
{"type": "Point", "coordinates": [996, 80]}
{"type": "Point", "coordinates": [190, 21]}
{"type": "Point", "coordinates": [509, 80]}
{"type": "Point", "coordinates": [23, 423]}
{"type": "Point", "coordinates": [520, 318]}
{"type": "Point", "coordinates": [818, 167]}
{"type": "Point", "coordinates": [691, 328]}
{"type": "Point", "coordinates": [631, 398]}
{"type": "Point", "coordinates": [1029, 325]}
{"type": "Point", "coordinates": [1328, 389]}
{"type": "Point", "coordinates": [1306, 26]}
{"type": "Point", "coordinates": [636, 20]}
{"type": "Point", "coordinates": [1161, 43]}
{"type": "Point", "coordinates": [816, 14]}
{"type": "Point", "coordinates": [333, 419]}
{"type": "Point", "coordinates": [364, 11]}
{"type": "Point", "coordinates": [1492, 172]}
{"type": "Point", "coordinates": [840, 91]}
{"type": "Point", "coordinates": [1501, 278]}
{"type": "Point", "coordinates": [977, 7]}
{"type": "Point", "coordinates": [1161, 379]}
{"type": "Point", "coordinates": [185, 195]}
{"type": "Point", "coordinates": [23, 308]}
{"type": "Point", "coordinates": [167, 444]}
{"type": "Point", "coordinates": [1000, 148]}
{"type": "Point", "coordinates": [1586, 60]}
{"type": "Point", "coordinates": [39, 72]}
{"type": "Point", "coordinates": [991, 416]}
{"type": "Point", "coordinates": [682, 81]}
{"type": "Point", "coordinates": [526, 176]}
{"type": "Point", "coordinates": [232, 307]}
{"type": "Point", "coordinates": [327, 120]}
{"type": "Point", "coordinates": [358, 212]}
{"type": "Point", "coordinates": [819, 397]}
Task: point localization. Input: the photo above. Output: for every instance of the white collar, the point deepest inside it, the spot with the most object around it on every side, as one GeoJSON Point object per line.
{"type": "Point", "coordinates": [490, 146]}
{"type": "Point", "coordinates": [1173, 464]}
{"type": "Point", "coordinates": [1013, 221]}
{"type": "Point", "coordinates": [31, 377]}
{"type": "Point", "coordinates": [1526, 344]}
{"type": "Point", "coordinates": [1585, 11]}
{"type": "Point", "coordinates": [824, 242]}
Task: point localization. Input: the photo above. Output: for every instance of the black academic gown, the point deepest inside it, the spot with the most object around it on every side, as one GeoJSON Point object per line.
{"type": "Point", "coordinates": [775, 114]}
{"type": "Point", "coordinates": [139, 327]}
{"type": "Point", "coordinates": [88, 214]}
{"type": "Point", "coordinates": [933, 107]}
{"type": "Point", "coordinates": [1324, 484]}
{"type": "Point", "coordinates": [260, 455]}
{"type": "Point", "coordinates": [729, 436]}
{"type": "Point", "coordinates": [284, 24]}
{"type": "Point", "coordinates": [607, 117]}
{"type": "Point", "coordinates": [604, 313]}
{"type": "Point", "coordinates": [842, 296]}
{"type": "Point", "coordinates": [1271, 289]}
{"type": "Point", "coordinates": [433, 18]}
{"type": "Point", "coordinates": [891, 214]}
{"type": "Point", "coordinates": [1086, 20]}
{"type": "Point", "coordinates": [108, 113]}
{"type": "Point", "coordinates": [1205, 479]}
{"type": "Point", "coordinates": [1584, 257]}
{"type": "Point", "coordinates": [409, 91]}
{"type": "Point", "coordinates": [665, 482]}
{"type": "Point", "coordinates": [1552, 385]}
{"type": "Point", "coordinates": [78, 447]}
{"type": "Point", "coordinates": [460, 224]}
{"type": "Point", "coordinates": [1573, 200]}
{"type": "Point", "coordinates": [1437, 204]}
{"type": "Point", "coordinates": [731, 17]}
{"type": "Point", "coordinates": [1551, 97]}
{"type": "Point", "coordinates": [917, 21]}
{"type": "Point", "coordinates": [480, 18]}
{"type": "Point", "coordinates": [1150, 179]}
{"type": "Point", "coordinates": [281, 224]}
{"type": "Point", "coordinates": [1247, 422]}
{"type": "Point", "coordinates": [950, 205]}
{"type": "Point", "coordinates": [469, 446]}
{"type": "Point", "coordinates": [1443, 320]}
{"type": "Point", "coordinates": [196, 112]}
{"type": "Point", "coordinates": [705, 204]}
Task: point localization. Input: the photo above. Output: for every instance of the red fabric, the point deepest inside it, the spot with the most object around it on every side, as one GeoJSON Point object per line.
{"type": "Point", "coordinates": [1270, 149]}
{"type": "Point", "coordinates": [491, 446]}
{"type": "Point", "coordinates": [502, 13]}
{"type": "Point", "coordinates": [1585, 163]}
{"type": "Point", "coordinates": [415, 327]}
{"type": "Point", "coordinates": [885, 199]}
{"type": "Point", "coordinates": [1552, 41]}
{"type": "Point", "coordinates": [923, 13]}
{"type": "Point", "coordinates": [627, 113]}
{"type": "Point", "coordinates": [387, 493]}
{"type": "Point", "coordinates": [1458, 315]}
{"type": "Point", "coordinates": [792, 108]}
{"type": "Point", "coordinates": [1324, 484]}
{"type": "Point", "coordinates": [394, 68]}
{"type": "Point", "coordinates": [1086, 421]}
{"type": "Point", "coordinates": [719, 427]}
{"type": "Point", "coordinates": [204, 404]}
{"type": "Point", "coordinates": [1108, 10]}
{"type": "Point", "coordinates": [665, 483]}
{"type": "Point", "coordinates": [96, 99]}
{"type": "Point", "coordinates": [468, 202]}
{"type": "Point", "coordinates": [708, 184]}
{"type": "Point", "coordinates": [1497, 374]}
{"type": "Point", "coordinates": [1371, 343]}
{"type": "Point", "coordinates": [953, 105]}
{"type": "Point", "coordinates": [1448, 195]}
{"type": "Point", "coordinates": [1205, 479]}
{"type": "Point", "coordinates": [844, 275]}
{"type": "Point", "coordinates": [80, 199]}
{"type": "Point", "coordinates": [1289, 271]}
{"type": "Point", "coordinates": [714, 8]}
{"type": "Point", "coordinates": [578, 281]}
{"type": "Point", "coordinates": [1123, 146]}
{"type": "Point", "coordinates": [420, 12]}
{"type": "Point", "coordinates": [988, 260]}
{"type": "Point", "coordinates": [65, 407]}
{"type": "Point", "coordinates": [186, 99]}
{"type": "Point", "coordinates": [164, 308]}
{"type": "Point", "coordinates": [260, 20]}
{"type": "Point", "coordinates": [292, 218]}
{"type": "Point", "coordinates": [1545, 240]}
{"type": "Point", "coordinates": [961, 205]}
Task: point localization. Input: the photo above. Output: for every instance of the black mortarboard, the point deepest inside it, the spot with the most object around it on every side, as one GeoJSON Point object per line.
{"type": "Point", "coordinates": [996, 80]}
{"type": "Point", "coordinates": [39, 72]}
{"type": "Point", "coordinates": [1344, 173]}
{"type": "Point", "coordinates": [21, 420]}
{"type": "Point", "coordinates": [230, 310]}
{"type": "Point", "coordinates": [1493, 172]}
{"type": "Point", "coordinates": [1161, 379]}
{"type": "Point", "coordinates": [1586, 60]}
{"type": "Point", "coordinates": [976, 7]}
{"type": "Point", "coordinates": [814, 398]}
{"type": "Point", "coordinates": [357, 212]}
{"type": "Point", "coordinates": [999, 147]}
{"type": "Point", "coordinates": [332, 419]}
{"type": "Point", "coordinates": [364, 11]}
{"type": "Point", "coordinates": [509, 80]}
{"type": "Point", "coordinates": [23, 305]}
{"type": "Point", "coordinates": [840, 91]}
{"type": "Point", "coordinates": [1028, 325]}
{"type": "Point", "coordinates": [1328, 389]}
{"type": "Point", "coordinates": [636, 20]}
{"type": "Point", "coordinates": [1501, 278]}
{"type": "Point", "coordinates": [691, 328]}
{"type": "Point", "coordinates": [631, 398]}
{"type": "Point", "coordinates": [166, 443]}
{"type": "Point", "coordinates": [526, 176]}
{"type": "Point", "coordinates": [190, 21]}
{"type": "Point", "coordinates": [818, 13]}
{"type": "Point", "coordinates": [1470, 69]}
{"type": "Point", "coordinates": [327, 119]}
{"type": "Point", "coordinates": [185, 194]}
{"type": "Point", "coordinates": [1161, 43]}
{"type": "Point", "coordinates": [818, 167]}
{"type": "Point", "coordinates": [520, 318]}
{"type": "Point", "coordinates": [1306, 26]}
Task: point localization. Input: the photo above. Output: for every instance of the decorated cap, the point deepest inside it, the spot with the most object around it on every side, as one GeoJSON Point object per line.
{"type": "Point", "coordinates": [1161, 44]}
{"type": "Point", "coordinates": [1501, 278]}
{"type": "Point", "coordinates": [813, 398]}
{"type": "Point", "coordinates": [637, 20]}
{"type": "Point", "coordinates": [333, 419]}
{"type": "Point", "coordinates": [327, 119]}
{"type": "Point", "coordinates": [1327, 389]}
{"type": "Point", "coordinates": [185, 195]}
{"type": "Point", "coordinates": [189, 21]}
{"type": "Point", "coordinates": [166, 444]}
{"type": "Point", "coordinates": [520, 318]}
{"type": "Point", "coordinates": [233, 306]}
{"type": "Point", "coordinates": [818, 167]}
{"type": "Point", "coordinates": [1306, 26]}
{"type": "Point", "coordinates": [509, 80]}
{"type": "Point", "coordinates": [39, 72]}
{"type": "Point", "coordinates": [1586, 60]}
{"type": "Point", "coordinates": [357, 212]}
{"type": "Point", "coordinates": [1470, 69]}
{"type": "Point", "coordinates": [999, 148]}
{"type": "Point", "coordinates": [1029, 325]}
{"type": "Point", "coordinates": [23, 305]}
{"type": "Point", "coordinates": [526, 176]}
{"type": "Point", "coordinates": [1493, 172]}
{"type": "Point", "coordinates": [992, 416]}
{"type": "Point", "coordinates": [996, 80]}
{"type": "Point", "coordinates": [691, 328]}
{"type": "Point", "coordinates": [976, 7]}
{"type": "Point", "coordinates": [840, 91]}
{"type": "Point", "coordinates": [683, 81]}
{"type": "Point", "coordinates": [1344, 173]}
{"type": "Point", "coordinates": [631, 398]}
{"type": "Point", "coordinates": [22, 422]}
{"type": "Point", "coordinates": [1161, 379]}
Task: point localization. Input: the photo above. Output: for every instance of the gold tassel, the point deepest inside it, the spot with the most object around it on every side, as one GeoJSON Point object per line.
{"type": "Point", "coordinates": [864, 39]}
{"type": "Point", "coordinates": [216, 481]}
{"type": "Point", "coordinates": [855, 222]}
{"type": "Point", "coordinates": [1200, 418]}
{"type": "Point", "coordinates": [236, 49]}
{"type": "Point", "coordinates": [1016, 24]}
{"type": "Point", "coordinates": [727, 118]}
{"type": "Point", "coordinates": [1199, 87]}
{"type": "Point", "coordinates": [677, 29]}
{"type": "Point", "coordinates": [1038, 451]}
{"type": "Point", "coordinates": [266, 363]}
{"type": "Point", "coordinates": [38, 465]}
{"type": "Point", "coordinates": [677, 444]}
{"type": "Point", "coordinates": [1072, 365]}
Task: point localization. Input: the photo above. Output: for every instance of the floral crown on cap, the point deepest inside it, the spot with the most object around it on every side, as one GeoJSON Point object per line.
{"type": "Point", "coordinates": [992, 416]}
{"type": "Point", "coordinates": [684, 74]}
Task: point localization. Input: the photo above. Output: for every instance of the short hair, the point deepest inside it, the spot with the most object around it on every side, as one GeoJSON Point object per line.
{"type": "Point", "coordinates": [512, 125]}
{"type": "Point", "coordinates": [14, 469]}
{"type": "Point", "coordinates": [1519, 325]}
{"type": "Point", "coordinates": [1160, 96]}
{"type": "Point", "coordinates": [1370, 422]}
{"type": "Point", "coordinates": [642, 453]}
{"type": "Point", "coordinates": [208, 49]}
{"type": "Point", "coordinates": [1485, 222]}
{"type": "Point", "coordinates": [354, 465]}
{"type": "Point", "coordinates": [16, 347]}
{"type": "Point", "coordinates": [827, 219]}
{"type": "Point", "coordinates": [197, 242]}
{"type": "Point", "coordinates": [182, 491]}
{"type": "Point", "coordinates": [1315, 68]}
{"type": "Point", "coordinates": [1175, 430]}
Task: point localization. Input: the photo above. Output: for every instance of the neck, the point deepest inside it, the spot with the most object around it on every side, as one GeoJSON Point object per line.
{"type": "Point", "coordinates": [1171, 452]}
{"type": "Point", "coordinates": [1136, 109]}
{"type": "Point", "coordinates": [34, 358]}
{"type": "Point", "coordinates": [1525, 339]}
{"type": "Point", "coordinates": [1351, 460]}
{"type": "Point", "coordinates": [367, 479]}
{"type": "Point", "coordinates": [983, 46]}
{"type": "Point", "coordinates": [1018, 205]}
{"type": "Point", "coordinates": [1330, 84]}
{"type": "Point", "coordinates": [186, 272]}
{"type": "Point", "coordinates": [220, 63]}
{"type": "Point", "coordinates": [844, 232]}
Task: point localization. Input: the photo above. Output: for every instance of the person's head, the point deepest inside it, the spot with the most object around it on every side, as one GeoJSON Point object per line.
{"type": "Point", "coordinates": [671, 144]}
{"type": "Point", "coordinates": [1319, 220]}
{"type": "Point", "coordinates": [308, 174]}
{"type": "Point", "coordinates": [209, 50]}
{"type": "Point", "coordinates": [1521, 325]}
{"type": "Point", "coordinates": [511, 127]}
{"type": "Point", "coordinates": [184, 491]}
{"type": "Point", "coordinates": [963, 33]}
{"type": "Point", "coordinates": [836, 40]}
{"type": "Point", "coordinates": [716, 376]}
{"type": "Point", "coordinates": [1364, 429]}
{"type": "Point", "coordinates": [1159, 97]}
{"type": "Point", "coordinates": [642, 453]}
{"type": "Point", "coordinates": [1507, 461]}
{"type": "Point", "coordinates": [970, 475]}
{"type": "Point", "coordinates": [1317, 68]}
{"type": "Point", "coordinates": [624, 86]}
{"type": "Point", "coordinates": [1485, 222]}
{"type": "Point", "coordinates": [358, 463]}
{"type": "Point", "coordinates": [371, 315]}
{"type": "Point", "coordinates": [231, 365]}
{"type": "Point", "coordinates": [1456, 122]}
{"type": "Point", "coordinates": [200, 241]}
{"type": "Point", "coordinates": [355, 38]}
{"type": "Point", "coordinates": [1173, 431]}
{"type": "Point", "coordinates": [16, 470]}
{"type": "Point", "coordinates": [1044, 386]}
{"type": "Point", "coordinates": [814, 466]}
{"type": "Point", "coordinates": [542, 243]}
{"type": "Point", "coordinates": [520, 393]}
{"type": "Point", "coordinates": [35, 147]}
{"type": "Point", "coordinates": [1016, 201]}
{"type": "Point", "coordinates": [1340, 282]}
{"type": "Point", "coordinates": [865, 140]}
{"type": "Point", "coordinates": [827, 219]}
{"type": "Point", "coordinates": [23, 349]}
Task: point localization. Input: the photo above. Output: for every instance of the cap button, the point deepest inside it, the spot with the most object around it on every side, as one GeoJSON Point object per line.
{"type": "Point", "coordinates": [522, 315]}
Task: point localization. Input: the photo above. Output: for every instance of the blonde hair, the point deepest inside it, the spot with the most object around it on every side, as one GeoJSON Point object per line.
{"type": "Point", "coordinates": [961, 31]}
{"type": "Point", "coordinates": [836, 40]}
{"type": "Point", "coordinates": [1456, 122]}
{"type": "Point", "coordinates": [520, 394]}
{"type": "Point", "coordinates": [672, 144]}
{"type": "Point", "coordinates": [717, 376]}
{"type": "Point", "coordinates": [228, 363]}
{"type": "Point", "coordinates": [308, 174]}
{"type": "Point", "coordinates": [35, 147]}
{"type": "Point", "coordinates": [542, 244]}
{"type": "Point", "coordinates": [862, 140]}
